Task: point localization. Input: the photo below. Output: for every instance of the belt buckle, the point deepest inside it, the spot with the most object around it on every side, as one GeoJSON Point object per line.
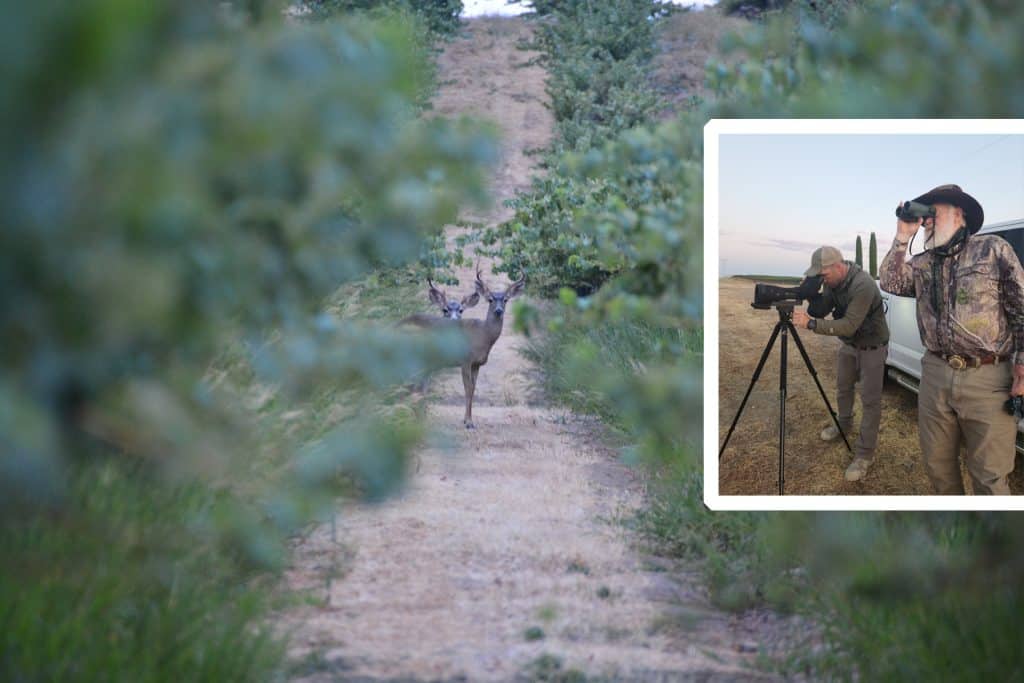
{"type": "Point", "coordinates": [956, 362]}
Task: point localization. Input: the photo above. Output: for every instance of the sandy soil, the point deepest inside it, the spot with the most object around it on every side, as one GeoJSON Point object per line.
{"type": "Point", "coordinates": [513, 526]}
{"type": "Point", "coordinates": [685, 43]}
{"type": "Point", "coordinates": [750, 465]}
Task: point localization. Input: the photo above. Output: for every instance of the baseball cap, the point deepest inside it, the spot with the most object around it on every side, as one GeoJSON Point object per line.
{"type": "Point", "coordinates": [823, 256]}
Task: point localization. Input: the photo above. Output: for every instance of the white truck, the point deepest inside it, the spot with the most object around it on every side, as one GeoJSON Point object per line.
{"type": "Point", "coordinates": [905, 348]}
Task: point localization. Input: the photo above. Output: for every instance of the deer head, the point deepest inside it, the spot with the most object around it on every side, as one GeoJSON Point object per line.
{"type": "Point", "coordinates": [451, 308]}
{"type": "Point", "coordinates": [497, 300]}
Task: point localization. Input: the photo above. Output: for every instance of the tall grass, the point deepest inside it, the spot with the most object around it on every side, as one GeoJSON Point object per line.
{"type": "Point", "coordinates": [124, 583]}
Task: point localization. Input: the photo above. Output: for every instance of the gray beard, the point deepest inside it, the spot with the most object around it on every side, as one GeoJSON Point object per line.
{"type": "Point", "coordinates": [931, 243]}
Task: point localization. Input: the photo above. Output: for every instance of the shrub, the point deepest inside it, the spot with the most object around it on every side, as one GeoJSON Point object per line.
{"type": "Point", "coordinates": [184, 190]}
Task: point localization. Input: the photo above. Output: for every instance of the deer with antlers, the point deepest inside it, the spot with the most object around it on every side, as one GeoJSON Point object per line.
{"type": "Point", "coordinates": [480, 334]}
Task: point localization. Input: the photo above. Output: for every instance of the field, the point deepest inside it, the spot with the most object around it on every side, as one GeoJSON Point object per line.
{"type": "Point", "coordinates": [813, 467]}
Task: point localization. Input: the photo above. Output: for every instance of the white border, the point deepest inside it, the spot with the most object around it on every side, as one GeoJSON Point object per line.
{"type": "Point", "coordinates": [712, 439]}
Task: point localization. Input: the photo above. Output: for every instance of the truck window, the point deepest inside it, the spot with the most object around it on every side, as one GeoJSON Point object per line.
{"type": "Point", "coordinates": [1016, 240]}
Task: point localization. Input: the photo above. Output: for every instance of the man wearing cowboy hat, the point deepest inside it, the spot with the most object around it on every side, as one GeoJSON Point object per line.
{"type": "Point", "coordinates": [970, 312]}
{"type": "Point", "coordinates": [859, 322]}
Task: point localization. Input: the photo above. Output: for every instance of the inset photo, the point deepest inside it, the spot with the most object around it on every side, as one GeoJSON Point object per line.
{"type": "Point", "coordinates": [867, 279]}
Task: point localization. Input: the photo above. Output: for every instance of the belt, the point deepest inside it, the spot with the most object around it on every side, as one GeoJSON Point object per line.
{"type": "Point", "coordinates": [868, 348]}
{"type": "Point", "coordinates": [958, 362]}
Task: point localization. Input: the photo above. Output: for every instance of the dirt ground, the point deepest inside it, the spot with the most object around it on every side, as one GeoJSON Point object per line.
{"type": "Point", "coordinates": [505, 545]}
{"type": "Point", "coordinates": [685, 43]}
{"type": "Point", "coordinates": [750, 464]}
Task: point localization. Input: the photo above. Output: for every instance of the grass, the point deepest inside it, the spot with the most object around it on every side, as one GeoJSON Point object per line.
{"type": "Point", "coordinates": [619, 348]}
{"type": "Point", "coordinates": [132, 577]}
{"type": "Point", "coordinates": [122, 584]}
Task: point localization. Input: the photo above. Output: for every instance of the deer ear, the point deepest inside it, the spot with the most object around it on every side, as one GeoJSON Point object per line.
{"type": "Point", "coordinates": [481, 288]}
{"type": "Point", "coordinates": [516, 288]}
{"type": "Point", "coordinates": [471, 300]}
{"type": "Point", "coordinates": [436, 295]}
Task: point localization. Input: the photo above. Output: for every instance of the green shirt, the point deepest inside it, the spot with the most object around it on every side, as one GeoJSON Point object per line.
{"type": "Point", "coordinates": [864, 321]}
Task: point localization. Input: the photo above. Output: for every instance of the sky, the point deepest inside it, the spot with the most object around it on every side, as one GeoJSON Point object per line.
{"type": "Point", "coordinates": [783, 196]}
{"type": "Point", "coordinates": [476, 8]}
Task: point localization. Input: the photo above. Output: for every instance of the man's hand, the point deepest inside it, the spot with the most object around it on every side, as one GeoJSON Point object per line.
{"type": "Point", "coordinates": [905, 230]}
{"type": "Point", "coordinates": [800, 319]}
{"type": "Point", "coordinates": [1018, 377]}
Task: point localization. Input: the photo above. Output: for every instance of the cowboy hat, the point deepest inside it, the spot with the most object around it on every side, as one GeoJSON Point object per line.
{"type": "Point", "coordinates": [952, 194]}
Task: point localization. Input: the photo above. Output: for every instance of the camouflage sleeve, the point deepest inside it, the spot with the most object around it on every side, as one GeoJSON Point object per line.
{"type": "Point", "coordinates": [1011, 276]}
{"type": "Point", "coordinates": [862, 295]}
{"type": "Point", "coordinates": [895, 274]}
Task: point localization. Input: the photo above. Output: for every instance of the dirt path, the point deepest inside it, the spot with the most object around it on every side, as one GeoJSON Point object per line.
{"type": "Point", "coordinates": [512, 527]}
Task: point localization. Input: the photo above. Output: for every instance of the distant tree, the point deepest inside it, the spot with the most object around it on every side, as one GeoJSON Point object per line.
{"type": "Point", "coordinates": [860, 253]}
{"type": "Point", "coordinates": [873, 256]}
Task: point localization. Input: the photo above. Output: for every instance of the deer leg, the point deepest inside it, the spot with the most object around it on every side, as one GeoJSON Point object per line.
{"type": "Point", "coordinates": [469, 384]}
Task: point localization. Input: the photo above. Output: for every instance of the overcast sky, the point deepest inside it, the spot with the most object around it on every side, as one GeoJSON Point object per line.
{"type": "Point", "coordinates": [783, 196]}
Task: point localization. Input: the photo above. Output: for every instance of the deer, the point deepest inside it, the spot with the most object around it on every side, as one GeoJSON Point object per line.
{"type": "Point", "coordinates": [451, 309]}
{"type": "Point", "coordinates": [480, 334]}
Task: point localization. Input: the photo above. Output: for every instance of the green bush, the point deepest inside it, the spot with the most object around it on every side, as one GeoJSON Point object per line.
{"type": "Point", "coordinates": [596, 55]}
{"type": "Point", "coordinates": [618, 219]}
{"type": "Point", "coordinates": [186, 188]}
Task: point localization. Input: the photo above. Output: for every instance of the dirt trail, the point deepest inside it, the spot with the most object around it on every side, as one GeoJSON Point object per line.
{"type": "Point", "coordinates": [512, 527]}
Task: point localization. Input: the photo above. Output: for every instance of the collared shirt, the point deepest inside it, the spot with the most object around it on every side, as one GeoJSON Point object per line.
{"type": "Point", "coordinates": [863, 322]}
{"type": "Point", "coordinates": [979, 292]}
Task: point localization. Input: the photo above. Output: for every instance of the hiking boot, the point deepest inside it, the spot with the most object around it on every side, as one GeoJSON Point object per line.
{"type": "Point", "coordinates": [830, 433]}
{"type": "Point", "coordinates": [857, 469]}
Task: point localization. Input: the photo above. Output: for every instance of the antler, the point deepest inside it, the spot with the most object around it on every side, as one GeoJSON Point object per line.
{"type": "Point", "coordinates": [480, 286]}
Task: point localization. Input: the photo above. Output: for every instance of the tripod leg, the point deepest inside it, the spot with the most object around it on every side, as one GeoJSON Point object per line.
{"type": "Point", "coordinates": [821, 390]}
{"type": "Point", "coordinates": [782, 407]}
{"type": "Point", "coordinates": [753, 381]}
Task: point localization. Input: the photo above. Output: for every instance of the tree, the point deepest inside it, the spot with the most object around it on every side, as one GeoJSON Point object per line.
{"type": "Point", "coordinates": [873, 255]}
{"type": "Point", "coordinates": [860, 253]}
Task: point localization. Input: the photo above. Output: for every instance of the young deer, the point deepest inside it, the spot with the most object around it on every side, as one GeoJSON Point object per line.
{"type": "Point", "coordinates": [480, 334]}
{"type": "Point", "coordinates": [451, 309]}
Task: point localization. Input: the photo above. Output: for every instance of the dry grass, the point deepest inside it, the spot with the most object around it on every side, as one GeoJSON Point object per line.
{"type": "Point", "coordinates": [685, 43]}
{"type": "Point", "coordinates": [750, 465]}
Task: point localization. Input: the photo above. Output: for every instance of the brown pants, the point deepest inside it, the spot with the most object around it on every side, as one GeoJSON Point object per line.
{"type": "Point", "coordinates": [868, 367]}
{"type": "Point", "coordinates": [968, 403]}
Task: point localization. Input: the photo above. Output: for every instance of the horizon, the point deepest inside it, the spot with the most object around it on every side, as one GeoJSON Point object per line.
{"type": "Point", "coordinates": [815, 189]}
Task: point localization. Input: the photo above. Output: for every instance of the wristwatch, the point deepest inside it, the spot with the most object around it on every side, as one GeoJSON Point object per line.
{"type": "Point", "coordinates": [812, 323]}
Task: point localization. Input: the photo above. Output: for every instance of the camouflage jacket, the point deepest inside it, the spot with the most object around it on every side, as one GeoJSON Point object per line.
{"type": "Point", "coordinates": [969, 303]}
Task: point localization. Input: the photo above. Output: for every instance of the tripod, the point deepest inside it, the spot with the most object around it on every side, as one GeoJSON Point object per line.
{"type": "Point", "coordinates": [785, 326]}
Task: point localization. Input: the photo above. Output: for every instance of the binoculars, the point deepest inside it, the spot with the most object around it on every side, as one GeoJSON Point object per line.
{"type": "Point", "coordinates": [1015, 406]}
{"type": "Point", "coordinates": [911, 211]}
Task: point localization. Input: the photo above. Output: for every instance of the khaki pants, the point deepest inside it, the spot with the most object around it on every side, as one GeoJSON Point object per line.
{"type": "Point", "coordinates": [867, 367]}
{"type": "Point", "coordinates": [968, 403]}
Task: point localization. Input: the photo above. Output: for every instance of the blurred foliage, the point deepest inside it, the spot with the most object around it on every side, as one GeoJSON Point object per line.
{"type": "Point", "coordinates": [441, 17]}
{"type": "Point", "coordinates": [931, 58]}
{"type": "Point", "coordinates": [185, 185]}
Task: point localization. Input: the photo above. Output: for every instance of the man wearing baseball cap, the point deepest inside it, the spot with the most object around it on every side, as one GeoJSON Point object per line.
{"type": "Point", "coordinates": [858, 319]}
{"type": "Point", "coordinates": [970, 312]}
